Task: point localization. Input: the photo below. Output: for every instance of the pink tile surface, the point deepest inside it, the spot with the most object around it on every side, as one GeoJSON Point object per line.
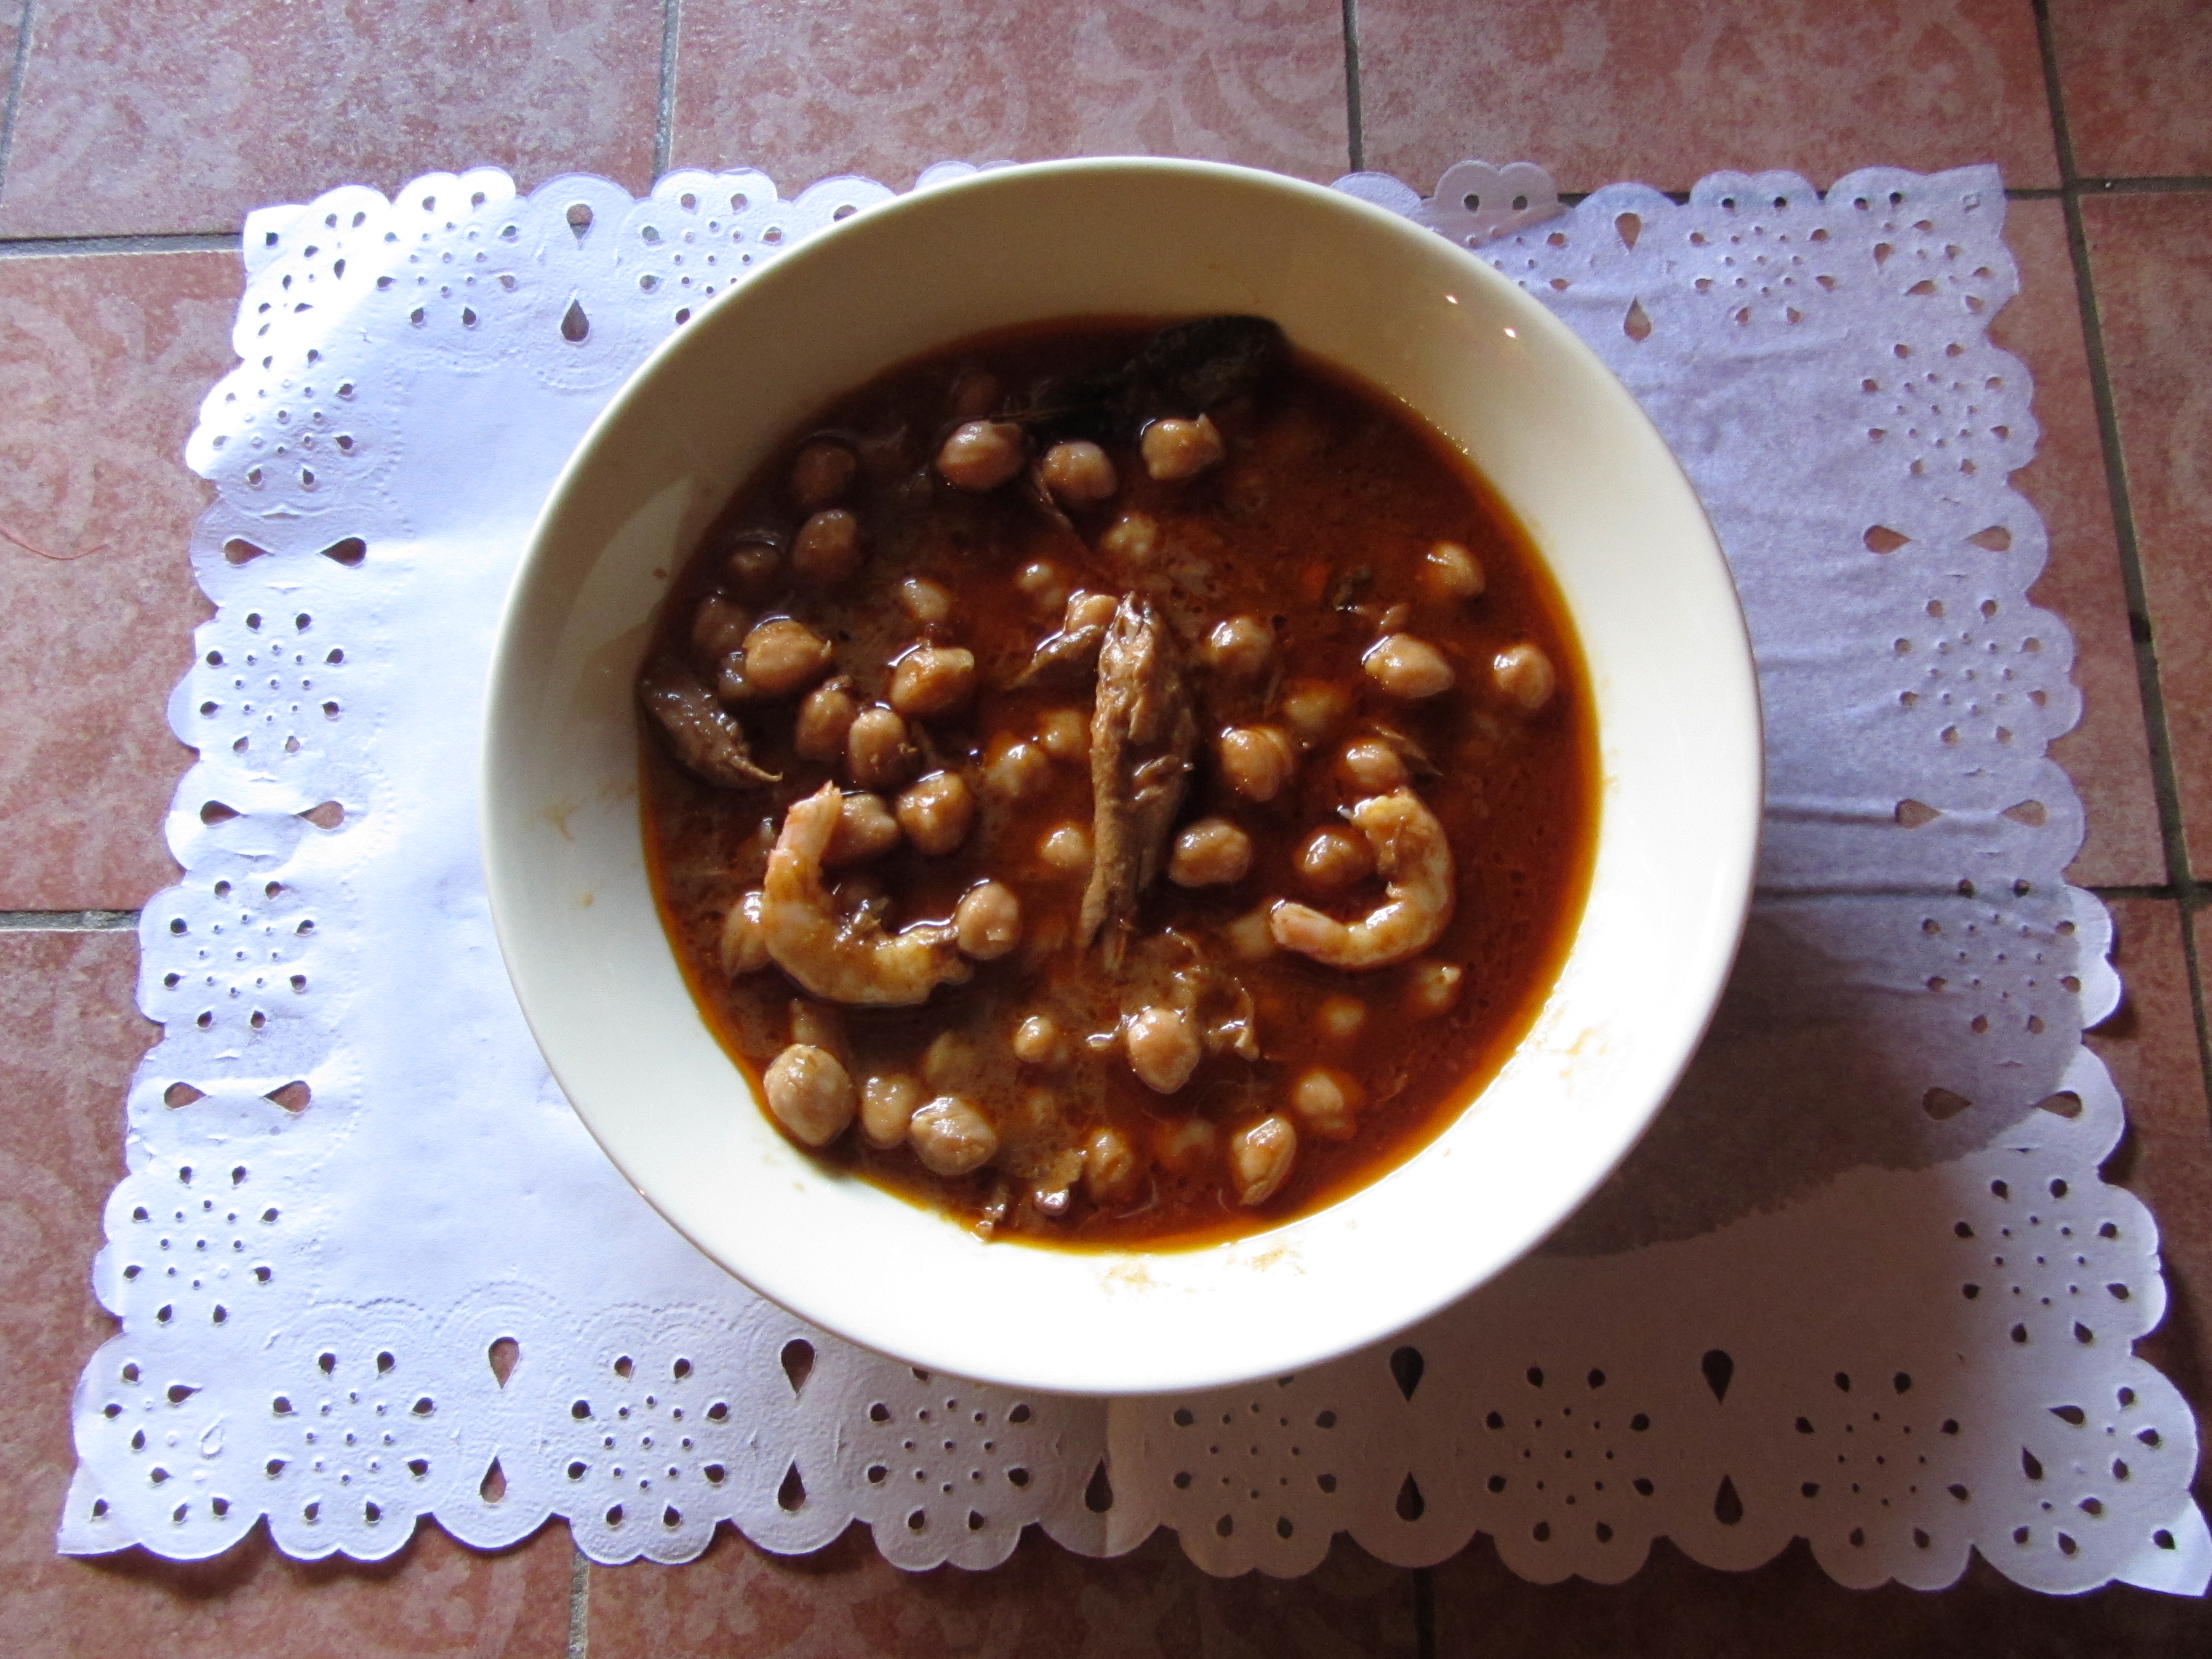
{"type": "Point", "coordinates": [103, 361]}
{"type": "Point", "coordinates": [165, 115]}
{"type": "Point", "coordinates": [885, 87]}
{"type": "Point", "coordinates": [2151, 263]}
{"type": "Point", "coordinates": [845, 1603]}
{"type": "Point", "coordinates": [1665, 91]}
{"type": "Point", "coordinates": [69, 1040]}
{"type": "Point", "coordinates": [2134, 75]}
{"type": "Point", "coordinates": [2107, 755]}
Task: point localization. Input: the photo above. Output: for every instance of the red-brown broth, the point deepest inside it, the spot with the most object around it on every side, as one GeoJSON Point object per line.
{"type": "Point", "coordinates": [1324, 476]}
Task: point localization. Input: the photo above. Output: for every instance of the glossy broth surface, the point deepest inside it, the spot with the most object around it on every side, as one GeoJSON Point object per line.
{"type": "Point", "coordinates": [1316, 533]}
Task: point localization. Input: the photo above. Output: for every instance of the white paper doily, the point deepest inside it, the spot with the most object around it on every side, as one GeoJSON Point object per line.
{"type": "Point", "coordinates": [1862, 1283]}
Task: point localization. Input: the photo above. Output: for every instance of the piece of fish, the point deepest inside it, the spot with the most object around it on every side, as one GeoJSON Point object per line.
{"type": "Point", "coordinates": [1143, 732]}
{"type": "Point", "coordinates": [705, 737]}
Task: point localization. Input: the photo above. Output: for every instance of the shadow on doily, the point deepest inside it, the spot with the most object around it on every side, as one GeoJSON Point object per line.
{"type": "Point", "coordinates": [1818, 1062]}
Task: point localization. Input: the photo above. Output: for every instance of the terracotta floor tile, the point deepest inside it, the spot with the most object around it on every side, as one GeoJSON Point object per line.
{"type": "Point", "coordinates": [844, 1602]}
{"type": "Point", "coordinates": [1676, 1609]}
{"type": "Point", "coordinates": [103, 361]}
{"type": "Point", "coordinates": [884, 88]}
{"type": "Point", "coordinates": [1664, 91]}
{"type": "Point", "coordinates": [165, 115]}
{"type": "Point", "coordinates": [70, 1037]}
{"type": "Point", "coordinates": [2134, 75]}
{"type": "Point", "coordinates": [2108, 755]}
{"type": "Point", "coordinates": [2151, 263]}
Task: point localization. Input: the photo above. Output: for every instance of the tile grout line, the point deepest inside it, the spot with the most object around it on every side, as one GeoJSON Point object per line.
{"type": "Point", "coordinates": [1355, 136]}
{"type": "Point", "coordinates": [2180, 879]}
{"type": "Point", "coordinates": [68, 921]}
{"type": "Point", "coordinates": [664, 118]}
{"type": "Point", "coordinates": [2141, 891]}
{"type": "Point", "coordinates": [16, 72]}
{"type": "Point", "coordinates": [580, 1603]}
{"type": "Point", "coordinates": [174, 241]}
{"type": "Point", "coordinates": [2142, 184]}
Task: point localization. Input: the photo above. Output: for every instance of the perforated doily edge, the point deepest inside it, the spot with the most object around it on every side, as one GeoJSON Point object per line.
{"type": "Point", "coordinates": [2191, 1563]}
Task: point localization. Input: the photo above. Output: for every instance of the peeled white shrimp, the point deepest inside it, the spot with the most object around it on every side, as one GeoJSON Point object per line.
{"type": "Point", "coordinates": [844, 957]}
{"type": "Point", "coordinates": [1416, 864]}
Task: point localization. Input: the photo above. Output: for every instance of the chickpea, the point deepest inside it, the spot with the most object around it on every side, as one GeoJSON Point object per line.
{"type": "Point", "coordinates": [1328, 1102]}
{"type": "Point", "coordinates": [1331, 857]}
{"type": "Point", "coordinates": [1133, 539]}
{"type": "Point", "coordinates": [1041, 585]}
{"type": "Point", "coordinates": [931, 679]}
{"type": "Point", "coordinates": [1433, 987]}
{"type": "Point", "coordinates": [1164, 1047]}
{"type": "Point", "coordinates": [1182, 449]}
{"type": "Point", "coordinates": [1066, 735]}
{"type": "Point", "coordinates": [783, 656]}
{"type": "Point", "coordinates": [1249, 937]}
{"type": "Point", "coordinates": [975, 393]}
{"type": "Point", "coordinates": [953, 1061]}
{"type": "Point", "coordinates": [983, 454]}
{"type": "Point", "coordinates": [951, 1138]}
{"type": "Point", "coordinates": [1015, 770]}
{"type": "Point", "coordinates": [1341, 1018]}
{"type": "Point", "coordinates": [822, 474]}
{"type": "Point", "coordinates": [1088, 610]}
{"type": "Point", "coordinates": [1111, 1167]}
{"type": "Point", "coordinates": [1240, 648]}
{"type": "Point", "coordinates": [1371, 766]}
{"type": "Point", "coordinates": [1449, 572]}
{"type": "Point", "coordinates": [754, 566]}
{"type": "Point", "coordinates": [988, 921]}
{"type": "Point", "coordinates": [743, 948]}
{"type": "Point", "coordinates": [1313, 709]}
{"type": "Point", "coordinates": [718, 628]}
{"type": "Point", "coordinates": [1407, 668]}
{"type": "Point", "coordinates": [1256, 761]}
{"type": "Point", "coordinates": [1526, 676]}
{"type": "Point", "coordinates": [827, 549]}
{"type": "Point", "coordinates": [1210, 853]}
{"type": "Point", "coordinates": [1066, 850]}
{"type": "Point", "coordinates": [866, 830]}
{"type": "Point", "coordinates": [876, 750]}
{"type": "Point", "coordinates": [1035, 1112]}
{"type": "Point", "coordinates": [825, 721]}
{"type": "Point", "coordinates": [730, 684]}
{"type": "Point", "coordinates": [937, 812]}
{"type": "Point", "coordinates": [886, 1103]}
{"type": "Point", "coordinates": [819, 1025]}
{"type": "Point", "coordinates": [1038, 1041]}
{"type": "Point", "coordinates": [810, 1093]}
{"type": "Point", "coordinates": [1078, 473]}
{"type": "Point", "coordinates": [924, 600]}
{"type": "Point", "coordinates": [1186, 1147]}
{"type": "Point", "coordinates": [1260, 1158]}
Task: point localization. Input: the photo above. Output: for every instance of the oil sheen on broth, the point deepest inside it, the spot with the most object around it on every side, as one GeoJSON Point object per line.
{"type": "Point", "coordinates": [1121, 784]}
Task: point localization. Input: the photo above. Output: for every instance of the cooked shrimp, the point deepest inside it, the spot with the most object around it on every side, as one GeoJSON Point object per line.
{"type": "Point", "coordinates": [844, 958]}
{"type": "Point", "coordinates": [1416, 863]}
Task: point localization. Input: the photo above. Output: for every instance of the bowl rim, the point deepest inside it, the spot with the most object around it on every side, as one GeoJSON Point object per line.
{"type": "Point", "coordinates": [1735, 857]}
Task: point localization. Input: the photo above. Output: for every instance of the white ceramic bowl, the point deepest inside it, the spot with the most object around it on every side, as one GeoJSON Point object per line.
{"type": "Point", "coordinates": [1677, 719]}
